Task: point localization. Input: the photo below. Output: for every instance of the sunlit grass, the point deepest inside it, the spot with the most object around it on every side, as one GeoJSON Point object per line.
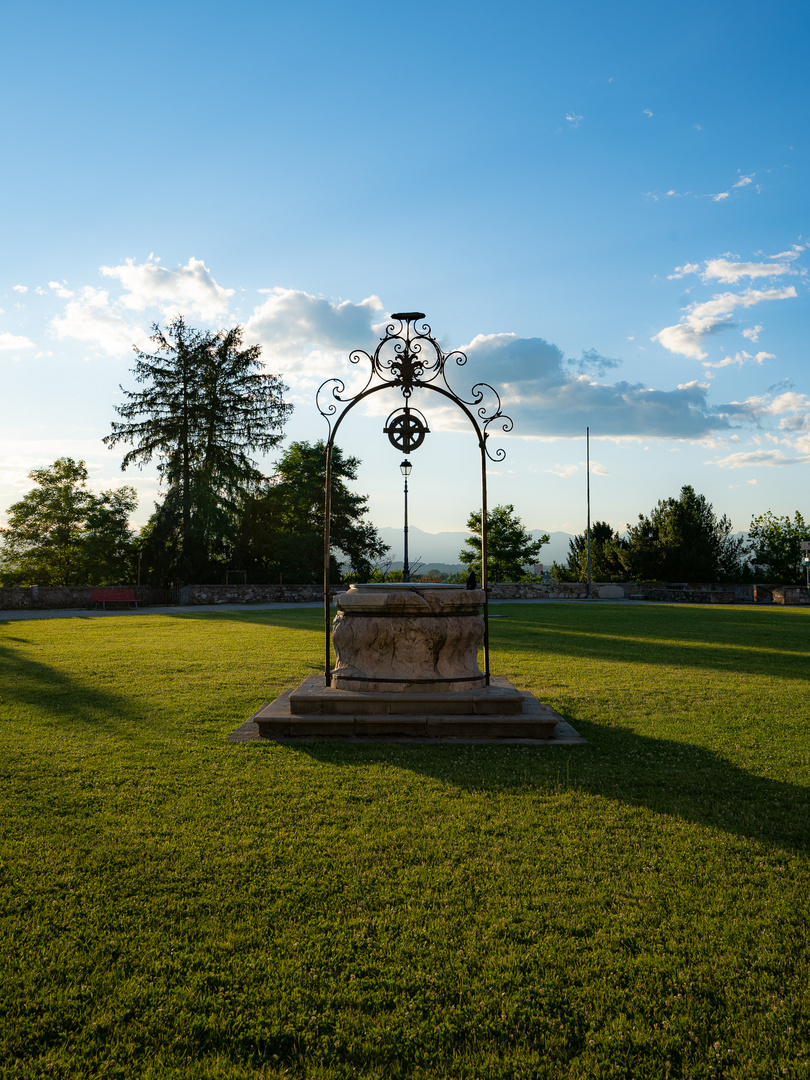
{"type": "Point", "coordinates": [176, 905]}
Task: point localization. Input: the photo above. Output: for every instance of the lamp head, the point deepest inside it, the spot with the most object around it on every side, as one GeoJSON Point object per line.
{"type": "Point", "coordinates": [405, 468]}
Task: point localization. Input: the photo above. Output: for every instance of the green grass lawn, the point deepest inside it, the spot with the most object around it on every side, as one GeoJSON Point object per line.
{"type": "Point", "coordinates": [174, 905]}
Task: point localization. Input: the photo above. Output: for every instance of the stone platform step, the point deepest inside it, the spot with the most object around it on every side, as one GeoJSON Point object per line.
{"type": "Point", "coordinates": [312, 697]}
{"type": "Point", "coordinates": [533, 720]}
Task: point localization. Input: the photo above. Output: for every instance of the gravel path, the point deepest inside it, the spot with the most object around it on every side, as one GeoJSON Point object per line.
{"type": "Point", "coordinates": [87, 613]}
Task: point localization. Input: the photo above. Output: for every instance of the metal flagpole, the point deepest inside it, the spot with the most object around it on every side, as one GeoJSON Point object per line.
{"type": "Point", "coordinates": [588, 496]}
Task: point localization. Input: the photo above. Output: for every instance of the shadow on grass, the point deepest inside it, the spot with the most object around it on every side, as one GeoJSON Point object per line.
{"type": "Point", "coordinates": [746, 640]}
{"type": "Point", "coordinates": [750, 641]}
{"type": "Point", "coordinates": [292, 618]}
{"type": "Point", "coordinates": [32, 686]}
{"type": "Point", "coordinates": [670, 778]}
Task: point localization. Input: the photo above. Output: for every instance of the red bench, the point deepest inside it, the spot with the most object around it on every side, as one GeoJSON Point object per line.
{"type": "Point", "coordinates": [113, 595]}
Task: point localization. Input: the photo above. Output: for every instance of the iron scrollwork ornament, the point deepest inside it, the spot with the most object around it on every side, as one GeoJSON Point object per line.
{"type": "Point", "coordinates": [408, 358]}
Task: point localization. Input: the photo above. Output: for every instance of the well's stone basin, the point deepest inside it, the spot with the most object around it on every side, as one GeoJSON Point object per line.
{"type": "Point", "coordinates": [414, 638]}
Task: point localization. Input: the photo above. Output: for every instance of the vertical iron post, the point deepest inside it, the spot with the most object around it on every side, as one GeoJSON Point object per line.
{"type": "Point", "coordinates": [327, 516]}
{"type": "Point", "coordinates": [484, 575]}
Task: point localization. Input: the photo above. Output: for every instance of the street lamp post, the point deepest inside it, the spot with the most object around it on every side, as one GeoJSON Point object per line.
{"type": "Point", "coordinates": [405, 469]}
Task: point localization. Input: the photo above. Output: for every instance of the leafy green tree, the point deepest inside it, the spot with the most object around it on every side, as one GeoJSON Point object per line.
{"type": "Point", "coordinates": [607, 548]}
{"type": "Point", "coordinates": [281, 534]}
{"type": "Point", "coordinates": [206, 406]}
{"type": "Point", "coordinates": [510, 548]}
{"type": "Point", "coordinates": [62, 533]}
{"type": "Point", "coordinates": [683, 540]}
{"type": "Point", "coordinates": [776, 547]}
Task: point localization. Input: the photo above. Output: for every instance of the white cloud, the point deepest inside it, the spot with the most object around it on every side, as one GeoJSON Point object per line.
{"type": "Point", "coordinates": [309, 337]}
{"type": "Point", "coordinates": [787, 402]}
{"type": "Point", "coordinates": [670, 194]}
{"type": "Point", "coordinates": [719, 196]}
{"type": "Point", "coordinates": [189, 289]}
{"type": "Point", "coordinates": [546, 399]}
{"type": "Point", "coordinates": [683, 339]}
{"type": "Point", "coordinates": [21, 288]}
{"type": "Point", "coordinates": [573, 119]}
{"type": "Point", "coordinates": [681, 271]}
{"type": "Point", "coordinates": [767, 458]}
{"type": "Point", "coordinates": [796, 423]}
{"type": "Point", "coordinates": [563, 471]}
{"type": "Point", "coordinates": [646, 112]}
{"type": "Point", "coordinates": [710, 316]}
{"type": "Point", "coordinates": [740, 358]}
{"type": "Point", "coordinates": [93, 319]}
{"type": "Point", "coordinates": [9, 342]}
{"type": "Point", "coordinates": [753, 332]}
{"type": "Point", "coordinates": [61, 289]}
{"type": "Point", "coordinates": [790, 409]}
{"type": "Point", "coordinates": [310, 332]}
{"type": "Point", "coordinates": [729, 273]}
{"type": "Point", "coordinates": [103, 320]}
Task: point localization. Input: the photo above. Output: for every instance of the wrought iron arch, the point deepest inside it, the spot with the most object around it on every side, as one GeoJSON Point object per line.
{"type": "Point", "coordinates": [407, 358]}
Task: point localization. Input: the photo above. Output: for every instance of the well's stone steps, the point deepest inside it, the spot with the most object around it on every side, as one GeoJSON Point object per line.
{"type": "Point", "coordinates": [491, 713]}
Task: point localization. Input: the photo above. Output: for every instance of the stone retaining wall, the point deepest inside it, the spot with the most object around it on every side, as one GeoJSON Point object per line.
{"type": "Point", "coordinates": [253, 594]}
{"type": "Point", "coordinates": [672, 592]}
{"type": "Point", "coordinates": [52, 597]}
{"type": "Point", "coordinates": [44, 597]}
{"type": "Point", "coordinates": [791, 594]}
{"type": "Point", "coordinates": [48, 597]}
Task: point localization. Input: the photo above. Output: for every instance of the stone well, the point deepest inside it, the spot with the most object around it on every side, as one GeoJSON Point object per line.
{"type": "Point", "coordinates": [409, 637]}
{"type": "Point", "coordinates": [407, 668]}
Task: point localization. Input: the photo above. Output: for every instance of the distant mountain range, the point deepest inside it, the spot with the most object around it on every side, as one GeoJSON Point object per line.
{"type": "Point", "coordinates": [430, 548]}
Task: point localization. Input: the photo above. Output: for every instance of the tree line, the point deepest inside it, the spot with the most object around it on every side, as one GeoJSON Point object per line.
{"type": "Point", "coordinates": [203, 409]}
{"type": "Point", "coordinates": [205, 406]}
{"type": "Point", "coordinates": [682, 539]}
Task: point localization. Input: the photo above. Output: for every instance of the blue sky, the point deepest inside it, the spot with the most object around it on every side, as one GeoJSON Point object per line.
{"type": "Point", "coordinates": [605, 205]}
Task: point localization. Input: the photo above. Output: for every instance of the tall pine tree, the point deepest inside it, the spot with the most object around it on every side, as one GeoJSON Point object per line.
{"type": "Point", "coordinates": [205, 407]}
